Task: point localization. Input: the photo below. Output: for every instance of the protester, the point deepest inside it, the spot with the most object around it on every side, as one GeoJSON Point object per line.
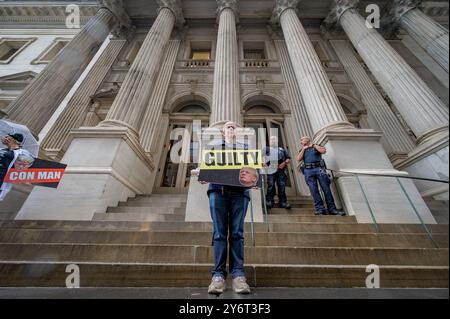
{"type": "Point", "coordinates": [8, 157]}
{"type": "Point", "coordinates": [228, 206]}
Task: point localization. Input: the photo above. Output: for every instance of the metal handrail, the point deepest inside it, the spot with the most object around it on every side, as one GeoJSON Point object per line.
{"type": "Point", "coordinates": [397, 177]}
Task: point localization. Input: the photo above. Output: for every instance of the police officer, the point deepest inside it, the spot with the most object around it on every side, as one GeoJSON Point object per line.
{"type": "Point", "coordinates": [315, 171]}
{"type": "Point", "coordinates": [277, 159]}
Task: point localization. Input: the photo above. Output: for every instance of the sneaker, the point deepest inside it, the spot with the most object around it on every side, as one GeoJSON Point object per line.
{"type": "Point", "coordinates": [269, 205]}
{"type": "Point", "coordinates": [320, 213]}
{"type": "Point", "coordinates": [217, 286]}
{"type": "Point", "coordinates": [240, 285]}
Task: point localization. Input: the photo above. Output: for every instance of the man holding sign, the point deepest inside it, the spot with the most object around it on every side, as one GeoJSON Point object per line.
{"type": "Point", "coordinates": [233, 165]}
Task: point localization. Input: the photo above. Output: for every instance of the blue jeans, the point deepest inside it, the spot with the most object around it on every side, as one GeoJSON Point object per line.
{"type": "Point", "coordinates": [228, 212]}
{"type": "Point", "coordinates": [280, 178]}
{"type": "Point", "coordinates": [314, 175]}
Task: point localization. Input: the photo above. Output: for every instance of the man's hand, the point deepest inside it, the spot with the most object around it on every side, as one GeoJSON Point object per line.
{"type": "Point", "coordinates": [282, 165]}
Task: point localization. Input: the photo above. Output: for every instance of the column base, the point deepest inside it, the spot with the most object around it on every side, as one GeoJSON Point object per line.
{"type": "Point", "coordinates": [15, 198]}
{"type": "Point", "coordinates": [197, 207]}
{"type": "Point", "coordinates": [105, 166]}
{"type": "Point", "coordinates": [360, 151]}
{"type": "Point", "coordinates": [430, 160]}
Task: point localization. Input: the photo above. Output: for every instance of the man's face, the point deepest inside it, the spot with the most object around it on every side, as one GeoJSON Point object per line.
{"type": "Point", "coordinates": [21, 165]}
{"type": "Point", "coordinates": [273, 141]}
{"type": "Point", "coordinates": [247, 176]}
{"type": "Point", "coordinates": [8, 140]}
{"type": "Point", "coordinates": [305, 141]}
{"type": "Point", "coordinates": [229, 130]}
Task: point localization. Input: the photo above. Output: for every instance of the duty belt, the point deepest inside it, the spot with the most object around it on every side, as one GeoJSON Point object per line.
{"type": "Point", "coordinates": [313, 165]}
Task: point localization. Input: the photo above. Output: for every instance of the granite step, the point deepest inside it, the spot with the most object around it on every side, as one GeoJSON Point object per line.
{"type": "Point", "coordinates": [135, 216]}
{"type": "Point", "coordinates": [112, 253]}
{"type": "Point", "coordinates": [24, 236]}
{"type": "Point", "coordinates": [53, 274]}
{"type": "Point", "coordinates": [207, 226]}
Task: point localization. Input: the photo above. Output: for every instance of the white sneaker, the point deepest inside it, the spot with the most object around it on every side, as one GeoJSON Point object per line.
{"type": "Point", "coordinates": [217, 286]}
{"type": "Point", "coordinates": [240, 285]}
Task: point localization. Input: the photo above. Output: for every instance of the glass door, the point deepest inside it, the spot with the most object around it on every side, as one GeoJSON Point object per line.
{"type": "Point", "coordinates": [179, 158]}
{"type": "Point", "coordinates": [273, 127]}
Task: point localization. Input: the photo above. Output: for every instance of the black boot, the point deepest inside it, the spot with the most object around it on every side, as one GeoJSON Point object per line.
{"type": "Point", "coordinates": [285, 205]}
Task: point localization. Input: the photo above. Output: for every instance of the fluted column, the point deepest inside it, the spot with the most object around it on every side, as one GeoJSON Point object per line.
{"type": "Point", "coordinates": [41, 98]}
{"type": "Point", "coordinates": [321, 102]}
{"type": "Point", "coordinates": [299, 114]}
{"type": "Point", "coordinates": [395, 135]}
{"type": "Point", "coordinates": [75, 112]}
{"type": "Point", "coordinates": [150, 128]}
{"type": "Point", "coordinates": [133, 97]}
{"type": "Point", "coordinates": [429, 34]}
{"type": "Point", "coordinates": [423, 111]}
{"type": "Point", "coordinates": [226, 101]}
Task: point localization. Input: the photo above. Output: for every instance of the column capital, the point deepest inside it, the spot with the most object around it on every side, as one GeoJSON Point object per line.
{"type": "Point", "coordinates": [280, 7]}
{"type": "Point", "coordinates": [394, 12]}
{"type": "Point", "coordinates": [398, 8]}
{"type": "Point", "coordinates": [231, 4]}
{"type": "Point", "coordinates": [176, 7]}
{"type": "Point", "coordinates": [330, 27]}
{"type": "Point", "coordinates": [125, 28]}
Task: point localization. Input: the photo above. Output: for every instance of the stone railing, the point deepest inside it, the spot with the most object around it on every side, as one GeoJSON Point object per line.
{"type": "Point", "coordinates": [197, 63]}
{"type": "Point", "coordinates": [256, 63]}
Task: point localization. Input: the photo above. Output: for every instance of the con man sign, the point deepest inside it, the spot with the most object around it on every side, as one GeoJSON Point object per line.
{"type": "Point", "coordinates": [41, 173]}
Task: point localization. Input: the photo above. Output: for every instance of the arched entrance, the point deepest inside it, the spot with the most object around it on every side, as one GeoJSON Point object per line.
{"type": "Point", "coordinates": [265, 115]}
{"type": "Point", "coordinates": [181, 147]}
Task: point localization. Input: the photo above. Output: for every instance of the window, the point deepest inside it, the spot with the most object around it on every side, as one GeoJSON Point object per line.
{"type": "Point", "coordinates": [52, 51]}
{"type": "Point", "coordinates": [10, 48]}
{"type": "Point", "coordinates": [254, 51]}
{"type": "Point", "coordinates": [201, 55]}
{"type": "Point", "coordinates": [200, 50]}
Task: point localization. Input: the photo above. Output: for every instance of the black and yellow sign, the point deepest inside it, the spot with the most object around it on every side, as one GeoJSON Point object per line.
{"type": "Point", "coordinates": [231, 159]}
{"type": "Point", "coordinates": [231, 167]}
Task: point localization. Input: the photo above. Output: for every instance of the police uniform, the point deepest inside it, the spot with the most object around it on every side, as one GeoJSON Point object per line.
{"type": "Point", "coordinates": [315, 171]}
{"type": "Point", "coordinates": [278, 176]}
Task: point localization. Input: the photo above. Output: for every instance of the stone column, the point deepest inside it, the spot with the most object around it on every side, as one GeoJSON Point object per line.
{"type": "Point", "coordinates": [347, 147]}
{"type": "Point", "coordinates": [321, 102]}
{"type": "Point", "coordinates": [107, 164]}
{"type": "Point", "coordinates": [133, 97]}
{"type": "Point", "coordinates": [75, 112]}
{"type": "Point", "coordinates": [41, 98]}
{"type": "Point", "coordinates": [226, 101]}
{"type": "Point", "coordinates": [299, 124]}
{"type": "Point", "coordinates": [424, 112]}
{"type": "Point", "coordinates": [294, 95]}
{"type": "Point", "coordinates": [396, 138]}
{"type": "Point", "coordinates": [150, 129]}
{"type": "Point", "coordinates": [429, 34]}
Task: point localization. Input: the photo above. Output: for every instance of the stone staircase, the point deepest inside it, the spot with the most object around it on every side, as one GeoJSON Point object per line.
{"type": "Point", "coordinates": [146, 243]}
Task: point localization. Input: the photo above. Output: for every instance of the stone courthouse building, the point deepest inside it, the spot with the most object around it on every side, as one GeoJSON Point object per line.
{"type": "Point", "coordinates": [112, 97]}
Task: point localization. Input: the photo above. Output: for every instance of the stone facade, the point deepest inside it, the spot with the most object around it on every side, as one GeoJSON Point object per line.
{"type": "Point", "coordinates": [378, 105]}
